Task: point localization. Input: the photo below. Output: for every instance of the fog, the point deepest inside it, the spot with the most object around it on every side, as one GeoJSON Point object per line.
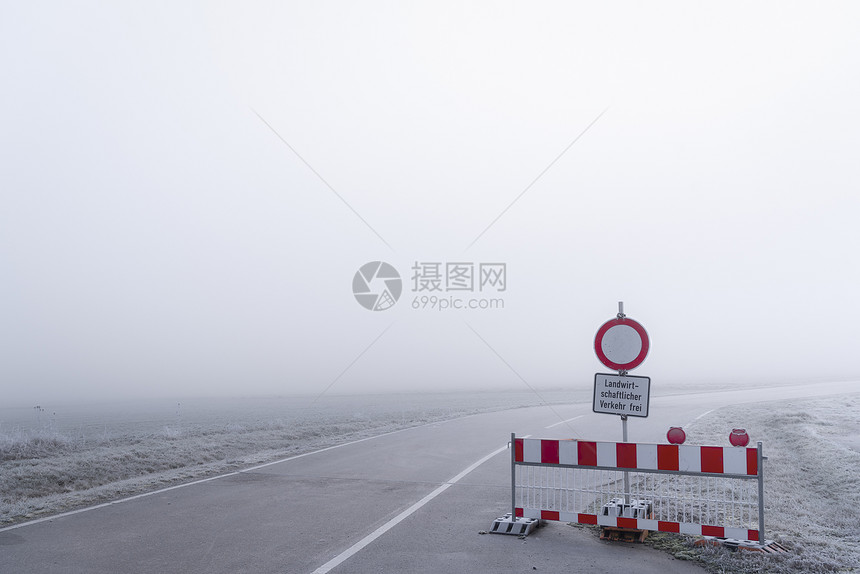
{"type": "Point", "coordinates": [188, 190]}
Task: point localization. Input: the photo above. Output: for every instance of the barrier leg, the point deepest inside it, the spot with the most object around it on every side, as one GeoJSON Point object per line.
{"type": "Point", "coordinates": [761, 539]}
{"type": "Point", "coordinates": [510, 524]}
{"type": "Point", "coordinates": [513, 475]}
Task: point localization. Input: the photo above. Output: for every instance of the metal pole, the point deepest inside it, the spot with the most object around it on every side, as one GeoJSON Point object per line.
{"type": "Point", "coordinates": [760, 459]}
{"type": "Point", "coordinates": [626, 474]}
{"type": "Point", "coordinates": [513, 478]}
{"type": "Point", "coordinates": [624, 420]}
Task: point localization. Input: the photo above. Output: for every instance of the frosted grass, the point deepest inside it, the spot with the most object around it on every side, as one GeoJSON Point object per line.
{"type": "Point", "coordinates": [812, 483]}
{"type": "Point", "coordinates": [56, 458]}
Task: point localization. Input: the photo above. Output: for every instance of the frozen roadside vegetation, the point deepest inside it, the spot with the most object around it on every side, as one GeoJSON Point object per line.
{"type": "Point", "coordinates": [812, 486]}
{"type": "Point", "coordinates": [66, 460]}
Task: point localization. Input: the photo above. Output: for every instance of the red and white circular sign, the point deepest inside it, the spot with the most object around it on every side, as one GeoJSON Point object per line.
{"type": "Point", "coordinates": [621, 344]}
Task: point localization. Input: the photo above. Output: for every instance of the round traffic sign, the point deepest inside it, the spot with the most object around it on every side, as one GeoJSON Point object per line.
{"type": "Point", "coordinates": [621, 344]}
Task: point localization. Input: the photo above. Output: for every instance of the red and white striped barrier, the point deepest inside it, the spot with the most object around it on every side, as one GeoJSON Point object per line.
{"type": "Point", "coordinates": [549, 497]}
{"type": "Point", "coordinates": [715, 460]}
{"type": "Point", "coordinates": [641, 524]}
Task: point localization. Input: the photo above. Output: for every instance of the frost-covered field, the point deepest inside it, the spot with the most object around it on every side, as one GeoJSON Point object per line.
{"type": "Point", "coordinates": [58, 457]}
{"type": "Point", "coordinates": [812, 485]}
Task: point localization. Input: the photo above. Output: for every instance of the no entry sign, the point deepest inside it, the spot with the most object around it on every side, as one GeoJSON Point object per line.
{"type": "Point", "coordinates": [621, 344]}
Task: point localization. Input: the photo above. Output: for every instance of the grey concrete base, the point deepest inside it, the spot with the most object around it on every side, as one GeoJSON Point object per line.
{"type": "Point", "coordinates": [517, 526]}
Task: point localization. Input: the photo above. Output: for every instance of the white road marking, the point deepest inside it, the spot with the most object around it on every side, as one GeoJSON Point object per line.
{"type": "Point", "coordinates": [703, 414]}
{"type": "Point", "coordinates": [562, 422]}
{"type": "Point", "coordinates": [346, 554]}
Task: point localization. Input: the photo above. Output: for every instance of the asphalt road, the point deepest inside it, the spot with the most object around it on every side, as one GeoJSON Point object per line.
{"type": "Point", "coordinates": [411, 501]}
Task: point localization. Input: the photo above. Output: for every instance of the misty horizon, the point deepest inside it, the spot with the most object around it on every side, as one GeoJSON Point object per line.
{"type": "Point", "coordinates": [188, 195]}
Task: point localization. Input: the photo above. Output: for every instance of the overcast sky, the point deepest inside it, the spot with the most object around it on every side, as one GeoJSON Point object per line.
{"type": "Point", "coordinates": [188, 190]}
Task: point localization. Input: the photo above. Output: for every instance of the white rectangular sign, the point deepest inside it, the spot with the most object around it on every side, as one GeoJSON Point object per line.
{"type": "Point", "coordinates": [621, 395]}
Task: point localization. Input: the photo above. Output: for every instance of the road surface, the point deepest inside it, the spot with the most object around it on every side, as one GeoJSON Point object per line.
{"type": "Point", "coordinates": [411, 501]}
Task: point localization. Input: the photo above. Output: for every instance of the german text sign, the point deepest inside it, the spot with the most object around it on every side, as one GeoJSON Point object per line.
{"type": "Point", "coordinates": [621, 395]}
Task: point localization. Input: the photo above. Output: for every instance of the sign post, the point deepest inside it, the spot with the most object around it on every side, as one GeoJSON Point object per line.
{"type": "Point", "coordinates": [622, 344]}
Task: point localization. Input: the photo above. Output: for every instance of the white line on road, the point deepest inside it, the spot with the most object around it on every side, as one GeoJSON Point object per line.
{"type": "Point", "coordinates": [562, 422]}
{"type": "Point", "coordinates": [703, 414]}
{"type": "Point", "coordinates": [343, 556]}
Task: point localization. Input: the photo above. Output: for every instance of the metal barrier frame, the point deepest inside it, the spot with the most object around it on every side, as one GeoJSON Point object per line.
{"type": "Point", "coordinates": [585, 455]}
